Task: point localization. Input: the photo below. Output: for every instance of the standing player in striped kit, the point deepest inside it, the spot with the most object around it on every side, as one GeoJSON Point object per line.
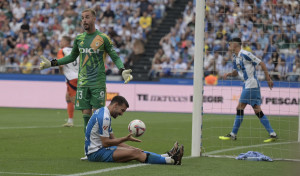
{"type": "Point", "coordinates": [244, 65]}
{"type": "Point", "coordinates": [101, 145]}
{"type": "Point", "coordinates": [70, 71]}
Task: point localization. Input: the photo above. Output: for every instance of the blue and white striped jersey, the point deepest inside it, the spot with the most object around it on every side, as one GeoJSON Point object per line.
{"type": "Point", "coordinates": [99, 125]}
{"type": "Point", "coordinates": [245, 64]}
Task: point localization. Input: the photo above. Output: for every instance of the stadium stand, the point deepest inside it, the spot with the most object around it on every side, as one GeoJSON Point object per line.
{"type": "Point", "coordinates": [32, 28]}
{"type": "Point", "coordinates": [270, 29]}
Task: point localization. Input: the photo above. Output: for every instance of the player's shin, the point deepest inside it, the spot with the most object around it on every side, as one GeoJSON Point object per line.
{"type": "Point", "coordinates": [70, 110]}
{"type": "Point", "coordinates": [153, 158]}
{"type": "Point", "coordinates": [238, 121]}
{"type": "Point", "coordinates": [265, 122]}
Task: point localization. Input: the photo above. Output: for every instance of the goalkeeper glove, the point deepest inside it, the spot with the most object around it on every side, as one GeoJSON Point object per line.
{"type": "Point", "coordinates": [126, 75]}
{"type": "Point", "coordinates": [46, 63]}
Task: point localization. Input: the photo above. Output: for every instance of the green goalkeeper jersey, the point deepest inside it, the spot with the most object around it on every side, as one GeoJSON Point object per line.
{"type": "Point", "coordinates": [92, 50]}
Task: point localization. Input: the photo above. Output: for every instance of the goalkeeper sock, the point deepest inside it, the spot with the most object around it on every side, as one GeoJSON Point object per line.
{"type": "Point", "coordinates": [238, 121]}
{"type": "Point", "coordinates": [264, 120]}
{"type": "Point", "coordinates": [153, 158]}
{"type": "Point", "coordinates": [86, 119]}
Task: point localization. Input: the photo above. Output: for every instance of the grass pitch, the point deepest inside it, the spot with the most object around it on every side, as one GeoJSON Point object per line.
{"type": "Point", "coordinates": [33, 142]}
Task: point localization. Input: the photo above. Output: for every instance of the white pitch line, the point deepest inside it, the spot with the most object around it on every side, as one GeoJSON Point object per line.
{"type": "Point", "coordinates": [108, 169]}
{"type": "Point", "coordinates": [33, 127]}
{"type": "Point", "coordinates": [115, 168]}
{"type": "Point", "coordinates": [17, 173]}
{"type": "Point", "coordinates": [243, 147]}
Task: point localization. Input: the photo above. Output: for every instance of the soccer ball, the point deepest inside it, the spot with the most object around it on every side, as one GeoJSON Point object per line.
{"type": "Point", "coordinates": [137, 128]}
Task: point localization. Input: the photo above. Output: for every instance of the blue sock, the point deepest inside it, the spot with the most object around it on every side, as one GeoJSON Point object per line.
{"type": "Point", "coordinates": [264, 120]}
{"type": "Point", "coordinates": [153, 158]}
{"type": "Point", "coordinates": [237, 123]}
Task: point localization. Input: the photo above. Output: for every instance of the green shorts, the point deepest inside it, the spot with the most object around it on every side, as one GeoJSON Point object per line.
{"type": "Point", "coordinates": [90, 98]}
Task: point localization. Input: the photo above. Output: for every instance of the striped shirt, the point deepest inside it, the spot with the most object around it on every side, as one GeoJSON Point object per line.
{"type": "Point", "coordinates": [245, 64]}
{"type": "Point", "coordinates": [99, 125]}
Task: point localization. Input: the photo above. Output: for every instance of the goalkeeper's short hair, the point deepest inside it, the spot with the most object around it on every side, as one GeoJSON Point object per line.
{"type": "Point", "coordinates": [93, 12]}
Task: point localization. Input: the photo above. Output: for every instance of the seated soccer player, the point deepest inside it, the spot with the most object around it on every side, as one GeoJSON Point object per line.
{"type": "Point", "coordinates": [102, 146]}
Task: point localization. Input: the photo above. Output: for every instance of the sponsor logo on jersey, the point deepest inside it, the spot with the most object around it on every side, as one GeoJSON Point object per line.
{"type": "Point", "coordinates": [88, 50]}
{"type": "Point", "coordinates": [105, 127]}
{"type": "Point", "coordinates": [81, 43]}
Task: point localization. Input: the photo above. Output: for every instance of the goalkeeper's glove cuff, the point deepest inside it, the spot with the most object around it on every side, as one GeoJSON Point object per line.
{"type": "Point", "coordinates": [54, 63]}
{"type": "Point", "coordinates": [121, 70]}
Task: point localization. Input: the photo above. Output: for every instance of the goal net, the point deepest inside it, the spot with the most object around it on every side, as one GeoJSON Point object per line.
{"type": "Point", "coordinates": [271, 31]}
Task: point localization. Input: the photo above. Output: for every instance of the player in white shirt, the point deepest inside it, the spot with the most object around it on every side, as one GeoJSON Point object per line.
{"type": "Point", "coordinates": [71, 73]}
{"type": "Point", "coordinates": [102, 146]}
{"type": "Point", "coordinates": [244, 64]}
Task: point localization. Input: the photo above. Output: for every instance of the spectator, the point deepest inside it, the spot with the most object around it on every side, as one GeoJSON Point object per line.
{"type": "Point", "coordinates": [188, 16]}
{"type": "Point", "coordinates": [135, 34]}
{"type": "Point", "coordinates": [23, 46]}
{"type": "Point", "coordinates": [133, 20]}
{"type": "Point", "coordinates": [18, 12]}
{"type": "Point", "coordinates": [174, 55]}
{"type": "Point", "coordinates": [108, 15]}
{"type": "Point", "coordinates": [180, 68]}
{"type": "Point", "coordinates": [145, 23]}
{"type": "Point", "coordinates": [138, 51]}
{"type": "Point", "coordinates": [2, 63]}
{"type": "Point", "coordinates": [67, 25]}
{"type": "Point", "coordinates": [15, 26]}
{"type": "Point", "coordinates": [186, 57]}
{"type": "Point", "coordinates": [165, 43]}
{"type": "Point", "coordinates": [12, 66]}
{"type": "Point", "coordinates": [26, 66]}
{"type": "Point", "coordinates": [276, 60]}
{"type": "Point", "coordinates": [144, 6]}
{"type": "Point", "coordinates": [209, 63]}
{"type": "Point", "coordinates": [283, 70]}
{"type": "Point", "coordinates": [156, 67]}
{"type": "Point", "coordinates": [44, 41]}
{"type": "Point", "coordinates": [295, 75]}
{"type": "Point", "coordinates": [3, 17]}
{"type": "Point", "coordinates": [166, 67]}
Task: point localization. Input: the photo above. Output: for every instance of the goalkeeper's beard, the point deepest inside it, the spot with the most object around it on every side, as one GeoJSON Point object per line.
{"type": "Point", "coordinates": [86, 27]}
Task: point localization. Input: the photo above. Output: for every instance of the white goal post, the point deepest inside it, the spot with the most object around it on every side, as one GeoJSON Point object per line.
{"type": "Point", "coordinates": [198, 80]}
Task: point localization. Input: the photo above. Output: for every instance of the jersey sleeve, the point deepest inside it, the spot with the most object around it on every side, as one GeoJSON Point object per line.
{"type": "Point", "coordinates": [250, 57]}
{"type": "Point", "coordinates": [109, 48]}
{"type": "Point", "coordinates": [71, 57]}
{"type": "Point", "coordinates": [60, 54]}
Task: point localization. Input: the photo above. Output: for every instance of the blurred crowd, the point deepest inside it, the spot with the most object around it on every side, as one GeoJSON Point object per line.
{"type": "Point", "coordinates": [30, 28]}
{"type": "Point", "coordinates": [268, 29]}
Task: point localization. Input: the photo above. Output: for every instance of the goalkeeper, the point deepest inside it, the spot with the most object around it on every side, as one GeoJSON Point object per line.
{"type": "Point", "coordinates": [92, 46]}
